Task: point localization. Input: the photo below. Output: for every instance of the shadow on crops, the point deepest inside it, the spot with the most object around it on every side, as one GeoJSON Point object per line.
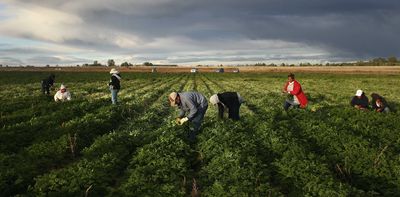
{"type": "Point", "coordinates": [393, 106]}
{"type": "Point", "coordinates": [343, 118]}
{"type": "Point", "coordinates": [316, 98]}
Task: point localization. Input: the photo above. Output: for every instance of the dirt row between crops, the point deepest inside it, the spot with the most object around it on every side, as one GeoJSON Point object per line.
{"type": "Point", "coordinates": [246, 69]}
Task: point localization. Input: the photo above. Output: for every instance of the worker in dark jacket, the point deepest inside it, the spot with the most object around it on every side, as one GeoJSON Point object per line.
{"type": "Point", "coordinates": [227, 101]}
{"type": "Point", "coordinates": [379, 103]}
{"type": "Point", "coordinates": [360, 101]}
{"type": "Point", "coordinates": [47, 84]}
{"type": "Point", "coordinates": [192, 106]}
{"type": "Point", "coordinates": [114, 85]}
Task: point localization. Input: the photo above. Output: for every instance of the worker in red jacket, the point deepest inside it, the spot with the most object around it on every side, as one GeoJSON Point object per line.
{"type": "Point", "coordinates": [294, 88]}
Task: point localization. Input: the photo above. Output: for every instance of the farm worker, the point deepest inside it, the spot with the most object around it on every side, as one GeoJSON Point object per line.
{"type": "Point", "coordinates": [227, 101]}
{"type": "Point", "coordinates": [293, 87]}
{"type": "Point", "coordinates": [47, 84]}
{"type": "Point", "coordinates": [194, 105]}
{"type": "Point", "coordinates": [114, 84]}
{"type": "Point", "coordinates": [62, 94]}
{"type": "Point", "coordinates": [360, 101]}
{"type": "Point", "coordinates": [379, 103]}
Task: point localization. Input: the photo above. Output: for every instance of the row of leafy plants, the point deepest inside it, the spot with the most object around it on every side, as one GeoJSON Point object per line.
{"type": "Point", "coordinates": [329, 152]}
{"type": "Point", "coordinates": [352, 146]}
{"type": "Point", "coordinates": [73, 136]}
{"type": "Point", "coordinates": [104, 162]}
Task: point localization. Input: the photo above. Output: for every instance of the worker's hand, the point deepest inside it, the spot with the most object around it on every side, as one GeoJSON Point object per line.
{"type": "Point", "coordinates": [178, 121]}
{"type": "Point", "coordinates": [183, 120]}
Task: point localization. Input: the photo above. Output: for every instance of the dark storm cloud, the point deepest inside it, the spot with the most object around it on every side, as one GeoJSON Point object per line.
{"type": "Point", "coordinates": [239, 59]}
{"type": "Point", "coordinates": [349, 29]}
{"type": "Point", "coordinates": [360, 28]}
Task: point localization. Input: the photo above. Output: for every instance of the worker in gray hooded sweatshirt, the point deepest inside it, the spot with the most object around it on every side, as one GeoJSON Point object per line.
{"type": "Point", "coordinates": [192, 104]}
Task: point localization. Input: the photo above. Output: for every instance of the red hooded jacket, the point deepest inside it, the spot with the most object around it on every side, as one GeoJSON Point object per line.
{"type": "Point", "coordinates": [298, 93]}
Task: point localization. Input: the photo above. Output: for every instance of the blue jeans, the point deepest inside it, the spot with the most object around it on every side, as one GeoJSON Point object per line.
{"type": "Point", "coordinates": [289, 103]}
{"type": "Point", "coordinates": [114, 98]}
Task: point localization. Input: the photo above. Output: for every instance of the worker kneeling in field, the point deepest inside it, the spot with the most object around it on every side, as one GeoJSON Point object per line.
{"type": "Point", "coordinates": [227, 101]}
{"type": "Point", "coordinates": [192, 103]}
{"type": "Point", "coordinates": [360, 101]}
{"type": "Point", "coordinates": [62, 94]}
{"type": "Point", "coordinates": [293, 87]}
{"type": "Point", "coordinates": [47, 84]}
{"type": "Point", "coordinates": [379, 103]}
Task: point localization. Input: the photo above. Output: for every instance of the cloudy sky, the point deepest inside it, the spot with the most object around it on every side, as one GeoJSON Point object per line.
{"type": "Point", "coordinates": [189, 32]}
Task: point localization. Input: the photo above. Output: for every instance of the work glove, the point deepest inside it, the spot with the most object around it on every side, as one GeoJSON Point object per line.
{"type": "Point", "coordinates": [178, 121]}
{"type": "Point", "coordinates": [183, 120]}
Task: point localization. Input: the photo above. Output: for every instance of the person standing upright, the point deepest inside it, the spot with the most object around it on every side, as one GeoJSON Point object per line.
{"type": "Point", "coordinates": [48, 83]}
{"type": "Point", "coordinates": [114, 85]}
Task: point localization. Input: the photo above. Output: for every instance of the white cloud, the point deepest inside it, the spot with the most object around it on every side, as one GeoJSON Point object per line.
{"type": "Point", "coordinates": [40, 23]}
{"type": "Point", "coordinates": [191, 31]}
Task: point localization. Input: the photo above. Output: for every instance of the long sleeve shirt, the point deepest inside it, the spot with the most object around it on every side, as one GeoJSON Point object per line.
{"type": "Point", "coordinates": [375, 105]}
{"type": "Point", "coordinates": [59, 96]}
{"type": "Point", "coordinates": [115, 81]}
{"type": "Point", "coordinates": [191, 102]}
{"type": "Point", "coordinates": [362, 102]}
{"type": "Point", "coordinates": [228, 101]}
{"type": "Point", "coordinates": [294, 88]}
{"type": "Point", "coordinates": [49, 81]}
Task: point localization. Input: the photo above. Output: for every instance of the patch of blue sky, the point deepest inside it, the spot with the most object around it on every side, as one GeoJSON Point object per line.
{"type": "Point", "coordinates": [6, 41]}
{"type": "Point", "coordinates": [3, 13]}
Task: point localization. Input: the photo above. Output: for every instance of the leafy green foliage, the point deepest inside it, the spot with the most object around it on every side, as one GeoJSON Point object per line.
{"type": "Point", "coordinates": [89, 147]}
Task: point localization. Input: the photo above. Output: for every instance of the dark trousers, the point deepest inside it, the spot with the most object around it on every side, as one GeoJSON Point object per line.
{"type": "Point", "coordinates": [45, 88]}
{"type": "Point", "coordinates": [197, 120]}
{"type": "Point", "coordinates": [233, 112]}
{"type": "Point", "coordinates": [289, 103]}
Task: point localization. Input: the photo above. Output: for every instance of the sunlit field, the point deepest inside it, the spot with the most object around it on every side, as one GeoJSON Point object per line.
{"type": "Point", "coordinates": [89, 147]}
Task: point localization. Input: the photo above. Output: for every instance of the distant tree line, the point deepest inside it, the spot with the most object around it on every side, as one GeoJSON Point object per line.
{"type": "Point", "coordinates": [390, 61]}
{"type": "Point", "coordinates": [111, 63]}
{"type": "Point", "coordinates": [380, 61]}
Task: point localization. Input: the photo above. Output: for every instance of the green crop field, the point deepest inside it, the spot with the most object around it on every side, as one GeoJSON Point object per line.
{"type": "Point", "coordinates": [87, 147]}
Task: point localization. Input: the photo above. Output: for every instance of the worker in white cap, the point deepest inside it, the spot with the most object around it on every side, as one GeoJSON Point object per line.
{"type": "Point", "coordinates": [360, 101]}
{"type": "Point", "coordinates": [192, 106]}
{"type": "Point", "coordinates": [62, 94]}
{"type": "Point", "coordinates": [227, 102]}
{"type": "Point", "coordinates": [114, 85]}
